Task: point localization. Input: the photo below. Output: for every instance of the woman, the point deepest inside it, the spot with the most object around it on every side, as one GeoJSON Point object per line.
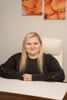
{"type": "Point", "coordinates": [32, 64]}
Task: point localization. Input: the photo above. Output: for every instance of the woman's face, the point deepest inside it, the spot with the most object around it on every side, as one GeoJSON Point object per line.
{"type": "Point", "coordinates": [32, 46]}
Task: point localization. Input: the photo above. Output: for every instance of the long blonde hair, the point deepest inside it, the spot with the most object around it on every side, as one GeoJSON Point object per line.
{"type": "Point", "coordinates": [24, 53]}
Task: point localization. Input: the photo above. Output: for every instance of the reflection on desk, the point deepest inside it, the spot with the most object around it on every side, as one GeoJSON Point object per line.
{"type": "Point", "coordinates": [32, 89]}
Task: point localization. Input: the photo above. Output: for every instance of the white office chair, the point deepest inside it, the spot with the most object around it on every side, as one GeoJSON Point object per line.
{"type": "Point", "coordinates": [54, 47]}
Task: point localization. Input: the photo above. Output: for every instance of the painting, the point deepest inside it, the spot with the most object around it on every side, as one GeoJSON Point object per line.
{"type": "Point", "coordinates": [31, 7]}
{"type": "Point", "coordinates": [54, 9]}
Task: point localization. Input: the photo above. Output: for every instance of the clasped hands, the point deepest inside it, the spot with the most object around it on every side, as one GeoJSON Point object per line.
{"type": "Point", "coordinates": [27, 77]}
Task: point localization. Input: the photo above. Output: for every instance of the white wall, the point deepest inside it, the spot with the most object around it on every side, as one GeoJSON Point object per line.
{"type": "Point", "coordinates": [14, 26]}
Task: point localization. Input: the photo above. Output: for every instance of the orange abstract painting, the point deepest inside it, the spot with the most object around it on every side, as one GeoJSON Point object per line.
{"type": "Point", "coordinates": [31, 7]}
{"type": "Point", "coordinates": [54, 9]}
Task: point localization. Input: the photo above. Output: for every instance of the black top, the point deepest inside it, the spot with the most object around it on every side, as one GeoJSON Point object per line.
{"type": "Point", "coordinates": [51, 68]}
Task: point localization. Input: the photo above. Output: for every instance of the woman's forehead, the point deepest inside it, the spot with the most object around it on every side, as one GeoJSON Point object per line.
{"type": "Point", "coordinates": [33, 39]}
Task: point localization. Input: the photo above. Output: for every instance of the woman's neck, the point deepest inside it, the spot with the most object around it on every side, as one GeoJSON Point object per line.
{"type": "Point", "coordinates": [33, 56]}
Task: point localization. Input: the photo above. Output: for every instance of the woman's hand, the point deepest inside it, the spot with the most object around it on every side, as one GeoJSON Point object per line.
{"type": "Point", "coordinates": [27, 77]}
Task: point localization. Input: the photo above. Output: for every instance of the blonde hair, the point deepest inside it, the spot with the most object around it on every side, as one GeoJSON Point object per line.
{"type": "Point", "coordinates": [24, 53]}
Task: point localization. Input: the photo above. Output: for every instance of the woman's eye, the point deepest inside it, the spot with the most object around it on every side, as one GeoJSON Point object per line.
{"type": "Point", "coordinates": [32, 44]}
{"type": "Point", "coordinates": [28, 43]}
{"type": "Point", "coordinates": [35, 43]}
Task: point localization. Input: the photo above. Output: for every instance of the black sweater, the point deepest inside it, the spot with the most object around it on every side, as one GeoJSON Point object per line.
{"type": "Point", "coordinates": [51, 68]}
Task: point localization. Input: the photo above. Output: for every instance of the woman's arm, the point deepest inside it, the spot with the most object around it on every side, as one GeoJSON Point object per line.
{"type": "Point", "coordinates": [9, 68]}
{"type": "Point", "coordinates": [52, 72]}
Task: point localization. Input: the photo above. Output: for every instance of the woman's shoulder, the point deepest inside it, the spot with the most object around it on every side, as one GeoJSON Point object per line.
{"type": "Point", "coordinates": [48, 56]}
{"type": "Point", "coordinates": [16, 55]}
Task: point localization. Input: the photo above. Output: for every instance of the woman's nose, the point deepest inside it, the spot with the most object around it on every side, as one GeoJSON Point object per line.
{"type": "Point", "coordinates": [32, 45]}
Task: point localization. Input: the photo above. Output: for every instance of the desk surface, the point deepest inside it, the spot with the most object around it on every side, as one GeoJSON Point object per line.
{"type": "Point", "coordinates": [52, 90]}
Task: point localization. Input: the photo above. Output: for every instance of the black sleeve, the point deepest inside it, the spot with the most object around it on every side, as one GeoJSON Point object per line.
{"type": "Point", "coordinates": [54, 71]}
{"type": "Point", "coordinates": [9, 68]}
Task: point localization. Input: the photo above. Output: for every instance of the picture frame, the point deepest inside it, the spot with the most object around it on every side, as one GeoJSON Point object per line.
{"type": "Point", "coordinates": [31, 7]}
{"type": "Point", "coordinates": [54, 9]}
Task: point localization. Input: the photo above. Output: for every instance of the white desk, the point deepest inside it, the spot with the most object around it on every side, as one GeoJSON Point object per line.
{"type": "Point", "coordinates": [54, 90]}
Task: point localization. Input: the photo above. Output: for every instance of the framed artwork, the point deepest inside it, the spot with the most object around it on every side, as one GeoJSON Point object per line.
{"type": "Point", "coordinates": [54, 9]}
{"type": "Point", "coordinates": [31, 7]}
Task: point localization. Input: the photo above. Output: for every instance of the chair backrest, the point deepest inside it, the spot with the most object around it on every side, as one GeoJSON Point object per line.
{"type": "Point", "coordinates": [54, 47]}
